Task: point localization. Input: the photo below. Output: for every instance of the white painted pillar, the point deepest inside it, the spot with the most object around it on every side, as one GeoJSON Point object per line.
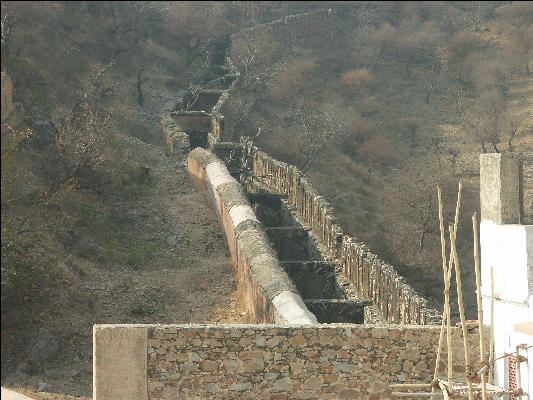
{"type": "Point", "coordinates": [507, 248]}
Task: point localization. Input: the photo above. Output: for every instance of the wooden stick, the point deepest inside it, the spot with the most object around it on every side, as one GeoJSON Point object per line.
{"type": "Point", "coordinates": [479, 305]}
{"type": "Point", "coordinates": [411, 395]}
{"type": "Point", "coordinates": [441, 339]}
{"type": "Point", "coordinates": [445, 313]}
{"type": "Point", "coordinates": [491, 342]}
{"type": "Point", "coordinates": [449, 277]}
{"type": "Point", "coordinates": [444, 390]}
{"type": "Point", "coordinates": [461, 312]}
{"type": "Point", "coordinates": [410, 385]}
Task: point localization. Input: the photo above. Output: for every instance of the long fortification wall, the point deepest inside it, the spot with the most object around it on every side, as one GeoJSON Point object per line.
{"type": "Point", "coordinates": [291, 29]}
{"type": "Point", "coordinates": [375, 279]}
{"type": "Point", "coordinates": [267, 361]}
{"type": "Point", "coordinates": [396, 300]}
{"type": "Point", "coordinates": [269, 293]}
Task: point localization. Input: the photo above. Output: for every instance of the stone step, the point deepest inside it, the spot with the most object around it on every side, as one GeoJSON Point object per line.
{"type": "Point", "coordinates": [313, 279]}
{"type": "Point", "coordinates": [329, 311]}
{"type": "Point", "coordinates": [293, 244]}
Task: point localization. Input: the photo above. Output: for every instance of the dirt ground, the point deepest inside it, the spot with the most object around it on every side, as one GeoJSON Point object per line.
{"type": "Point", "coordinates": [188, 278]}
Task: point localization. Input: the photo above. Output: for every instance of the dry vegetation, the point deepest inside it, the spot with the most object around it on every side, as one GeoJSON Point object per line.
{"type": "Point", "coordinates": [98, 224]}
{"type": "Point", "coordinates": [420, 90]}
{"type": "Point", "coordinates": [397, 98]}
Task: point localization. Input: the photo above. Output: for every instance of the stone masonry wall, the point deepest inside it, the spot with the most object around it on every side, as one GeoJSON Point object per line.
{"type": "Point", "coordinates": [269, 293]}
{"type": "Point", "coordinates": [291, 29]}
{"type": "Point", "coordinates": [279, 362]}
{"type": "Point", "coordinates": [177, 140]}
{"type": "Point", "coordinates": [396, 300]}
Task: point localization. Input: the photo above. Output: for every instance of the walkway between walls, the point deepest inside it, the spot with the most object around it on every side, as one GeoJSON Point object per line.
{"type": "Point", "coordinates": [360, 284]}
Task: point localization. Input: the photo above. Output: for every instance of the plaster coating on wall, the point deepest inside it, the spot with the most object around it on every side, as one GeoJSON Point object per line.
{"type": "Point", "coordinates": [270, 294]}
{"type": "Point", "coordinates": [506, 248]}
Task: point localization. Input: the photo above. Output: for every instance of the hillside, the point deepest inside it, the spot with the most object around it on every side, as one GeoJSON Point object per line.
{"type": "Point", "coordinates": [123, 239]}
{"type": "Point", "coordinates": [100, 223]}
{"type": "Point", "coordinates": [386, 101]}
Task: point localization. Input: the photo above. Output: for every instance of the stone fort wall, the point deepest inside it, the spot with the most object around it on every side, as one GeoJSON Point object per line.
{"type": "Point", "coordinates": [267, 361]}
{"type": "Point", "coordinates": [375, 279]}
{"type": "Point", "coordinates": [295, 357]}
{"type": "Point", "coordinates": [269, 293]}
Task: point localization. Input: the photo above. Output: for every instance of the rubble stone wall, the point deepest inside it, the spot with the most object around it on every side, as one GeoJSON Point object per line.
{"type": "Point", "coordinates": [341, 361]}
{"type": "Point", "coordinates": [375, 279]}
{"type": "Point", "coordinates": [269, 293]}
{"type": "Point", "coordinates": [177, 140]}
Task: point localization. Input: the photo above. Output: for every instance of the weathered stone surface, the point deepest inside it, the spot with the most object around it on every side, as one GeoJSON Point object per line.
{"type": "Point", "coordinates": [259, 273]}
{"type": "Point", "coordinates": [500, 187]}
{"type": "Point", "coordinates": [292, 361]}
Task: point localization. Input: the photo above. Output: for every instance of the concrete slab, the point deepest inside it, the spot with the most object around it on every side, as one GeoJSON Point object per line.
{"type": "Point", "coordinates": [11, 395]}
{"type": "Point", "coordinates": [120, 355]}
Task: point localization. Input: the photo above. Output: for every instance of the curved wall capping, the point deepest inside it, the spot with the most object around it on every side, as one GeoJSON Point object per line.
{"type": "Point", "coordinates": [271, 296]}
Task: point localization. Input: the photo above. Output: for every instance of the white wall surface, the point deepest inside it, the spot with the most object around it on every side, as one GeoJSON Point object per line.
{"type": "Point", "coordinates": [508, 249]}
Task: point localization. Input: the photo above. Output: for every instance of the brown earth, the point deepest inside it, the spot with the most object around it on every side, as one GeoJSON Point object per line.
{"type": "Point", "coordinates": [186, 277]}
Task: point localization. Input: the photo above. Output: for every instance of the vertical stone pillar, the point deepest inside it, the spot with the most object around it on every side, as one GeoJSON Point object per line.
{"type": "Point", "coordinates": [500, 188]}
{"type": "Point", "coordinates": [120, 362]}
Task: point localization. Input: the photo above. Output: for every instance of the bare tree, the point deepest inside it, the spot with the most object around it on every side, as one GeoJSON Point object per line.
{"type": "Point", "coordinates": [254, 54]}
{"type": "Point", "coordinates": [514, 125]}
{"type": "Point", "coordinates": [411, 210]}
{"type": "Point", "coordinates": [317, 129]}
{"type": "Point", "coordinates": [82, 132]}
{"type": "Point", "coordinates": [375, 151]}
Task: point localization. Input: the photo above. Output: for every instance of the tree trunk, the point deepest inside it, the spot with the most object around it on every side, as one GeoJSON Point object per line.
{"type": "Point", "coordinates": [140, 97]}
{"type": "Point", "coordinates": [421, 241]}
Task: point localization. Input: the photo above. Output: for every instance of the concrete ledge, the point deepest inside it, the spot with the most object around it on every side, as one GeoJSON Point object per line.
{"type": "Point", "coordinates": [232, 194]}
{"type": "Point", "coordinates": [217, 174]}
{"type": "Point", "coordinates": [11, 395]}
{"type": "Point", "coordinates": [258, 270]}
{"type": "Point", "coordinates": [290, 308]}
{"type": "Point", "coordinates": [202, 157]}
{"type": "Point", "coordinates": [120, 362]}
{"type": "Point", "coordinates": [241, 213]}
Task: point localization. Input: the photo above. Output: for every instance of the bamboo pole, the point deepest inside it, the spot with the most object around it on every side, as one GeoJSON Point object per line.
{"type": "Point", "coordinates": [410, 385]}
{"type": "Point", "coordinates": [479, 305]}
{"type": "Point", "coordinates": [491, 342]}
{"type": "Point", "coordinates": [446, 311]}
{"type": "Point", "coordinates": [449, 277]}
{"type": "Point", "coordinates": [461, 312]}
{"type": "Point", "coordinates": [415, 395]}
